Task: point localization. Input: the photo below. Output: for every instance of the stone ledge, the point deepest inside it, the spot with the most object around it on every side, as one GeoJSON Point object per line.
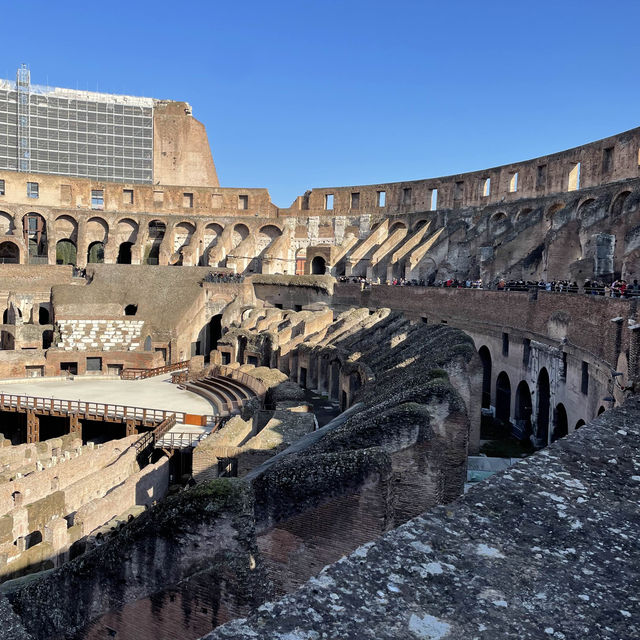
{"type": "Point", "coordinates": [545, 549]}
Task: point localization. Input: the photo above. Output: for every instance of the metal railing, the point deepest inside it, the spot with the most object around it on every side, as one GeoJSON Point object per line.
{"type": "Point", "coordinates": [99, 410]}
{"type": "Point", "coordinates": [133, 373]}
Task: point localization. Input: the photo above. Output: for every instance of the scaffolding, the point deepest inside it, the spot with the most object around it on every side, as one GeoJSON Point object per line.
{"type": "Point", "coordinates": [23, 85]}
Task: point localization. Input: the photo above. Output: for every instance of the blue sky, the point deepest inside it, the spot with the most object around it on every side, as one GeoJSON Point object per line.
{"type": "Point", "coordinates": [316, 93]}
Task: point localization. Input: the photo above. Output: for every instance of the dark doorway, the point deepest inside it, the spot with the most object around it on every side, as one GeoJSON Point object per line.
{"type": "Point", "coordinates": [503, 399]}
{"type": "Point", "coordinates": [215, 331]}
{"type": "Point", "coordinates": [124, 253]}
{"type": "Point", "coordinates": [542, 418]}
{"type": "Point", "coordinates": [69, 367]}
{"type": "Point", "coordinates": [95, 254]}
{"type": "Point", "coordinates": [9, 253]}
{"type": "Point", "coordinates": [318, 266]}
{"type": "Point", "coordinates": [485, 358]}
{"type": "Point", "coordinates": [303, 377]}
{"type": "Point", "coordinates": [523, 410]}
{"type": "Point", "coordinates": [560, 423]}
{"type": "Point", "coordinates": [580, 423]}
{"type": "Point", "coordinates": [43, 315]}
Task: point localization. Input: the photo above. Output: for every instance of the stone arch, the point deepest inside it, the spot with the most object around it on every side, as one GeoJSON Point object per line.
{"type": "Point", "coordinates": [554, 208]}
{"type": "Point", "coordinates": [6, 223]}
{"type": "Point", "coordinates": [182, 234]}
{"type": "Point", "coordinates": [318, 265]}
{"type": "Point", "coordinates": [498, 222]}
{"type": "Point", "coordinates": [587, 210]}
{"type": "Point", "coordinates": [503, 398]}
{"type": "Point", "coordinates": [34, 230]}
{"type": "Point", "coordinates": [240, 233]}
{"type": "Point", "coordinates": [127, 231]}
{"type": "Point", "coordinates": [147, 343]}
{"type": "Point", "coordinates": [579, 424]}
{"type": "Point", "coordinates": [543, 391]}
{"type": "Point", "coordinates": [97, 230]}
{"type": "Point", "coordinates": [270, 231]}
{"type": "Point", "coordinates": [523, 411]}
{"type": "Point", "coordinates": [7, 340]}
{"type": "Point", "coordinates": [397, 225]}
{"type": "Point", "coordinates": [66, 228]}
{"type": "Point", "coordinates": [418, 225]}
{"type": "Point", "coordinates": [95, 253]}
{"type": "Point", "coordinates": [560, 423]}
{"type": "Point", "coordinates": [44, 317]}
{"type": "Point", "coordinates": [66, 251]}
{"type": "Point", "coordinates": [601, 410]}
{"type": "Point", "coordinates": [124, 253]}
{"type": "Point", "coordinates": [301, 260]}
{"type": "Point", "coordinates": [212, 233]}
{"type": "Point", "coordinates": [523, 213]}
{"type": "Point", "coordinates": [156, 233]}
{"type": "Point", "coordinates": [617, 204]}
{"type": "Point", "coordinates": [485, 359]}
{"type": "Point", "coordinates": [9, 252]}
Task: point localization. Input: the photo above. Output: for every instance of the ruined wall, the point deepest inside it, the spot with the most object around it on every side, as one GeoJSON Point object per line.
{"type": "Point", "coordinates": [532, 552]}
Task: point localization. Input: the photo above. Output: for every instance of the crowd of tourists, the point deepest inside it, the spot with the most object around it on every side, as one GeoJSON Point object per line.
{"type": "Point", "coordinates": [224, 276]}
{"type": "Point", "coordinates": [617, 289]}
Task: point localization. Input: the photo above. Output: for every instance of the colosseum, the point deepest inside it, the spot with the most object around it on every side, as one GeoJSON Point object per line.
{"type": "Point", "coordinates": [400, 410]}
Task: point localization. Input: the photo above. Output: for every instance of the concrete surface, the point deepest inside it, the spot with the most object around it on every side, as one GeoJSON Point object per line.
{"type": "Point", "coordinates": [155, 393]}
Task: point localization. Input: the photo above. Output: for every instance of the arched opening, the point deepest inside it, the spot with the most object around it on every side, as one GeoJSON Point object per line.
{"type": "Point", "coordinates": [66, 252]}
{"type": "Point", "coordinates": [5, 316]}
{"type": "Point", "coordinates": [212, 233]}
{"type": "Point", "coordinates": [6, 223]}
{"type": "Point", "coordinates": [503, 403]}
{"type": "Point", "coordinates": [601, 410]}
{"type": "Point", "coordinates": [396, 226]}
{"type": "Point", "coordinates": [215, 331]}
{"type": "Point", "coordinates": [560, 423]}
{"type": "Point", "coordinates": [485, 358]}
{"type": "Point", "coordinates": [542, 417]}
{"type": "Point", "coordinates": [523, 214]}
{"type": "Point", "coordinates": [182, 234]}
{"type": "Point", "coordinates": [617, 206]}
{"type": "Point", "coordinates": [34, 229]}
{"type": "Point", "coordinates": [301, 260]}
{"type": "Point", "coordinates": [95, 253]}
{"type": "Point", "coordinates": [157, 230]}
{"type": "Point", "coordinates": [580, 423]}
{"type": "Point", "coordinates": [131, 310]}
{"type": "Point", "coordinates": [498, 222]}
{"type": "Point", "coordinates": [32, 539]}
{"type": "Point", "coordinates": [523, 411]}
{"type": "Point", "coordinates": [318, 266]}
{"type": "Point", "coordinates": [240, 232]}
{"type": "Point", "coordinates": [9, 253]}
{"type": "Point", "coordinates": [124, 253]}
{"type": "Point", "coordinates": [147, 343]}
{"type": "Point", "coordinates": [43, 315]}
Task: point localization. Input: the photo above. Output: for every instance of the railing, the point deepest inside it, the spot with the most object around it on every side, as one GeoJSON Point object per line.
{"type": "Point", "coordinates": [179, 440]}
{"type": "Point", "coordinates": [11, 402]}
{"type": "Point", "coordinates": [140, 374]}
{"type": "Point", "coordinates": [248, 381]}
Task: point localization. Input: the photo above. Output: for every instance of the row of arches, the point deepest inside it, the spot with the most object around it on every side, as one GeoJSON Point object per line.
{"type": "Point", "coordinates": [533, 418]}
{"type": "Point", "coordinates": [584, 210]}
{"type": "Point", "coordinates": [65, 231]}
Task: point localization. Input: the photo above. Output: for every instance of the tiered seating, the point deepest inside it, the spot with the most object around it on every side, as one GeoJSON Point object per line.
{"type": "Point", "coordinates": [106, 335]}
{"type": "Point", "coordinates": [228, 396]}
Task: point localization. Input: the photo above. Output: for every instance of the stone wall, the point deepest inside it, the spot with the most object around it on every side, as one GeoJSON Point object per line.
{"type": "Point", "coordinates": [543, 549]}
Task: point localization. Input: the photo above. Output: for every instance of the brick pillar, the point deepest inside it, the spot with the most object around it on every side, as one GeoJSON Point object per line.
{"type": "Point", "coordinates": [75, 426]}
{"type": "Point", "coordinates": [131, 427]}
{"type": "Point", "coordinates": [634, 355]}
{"type": "Point", "coordinates": [33, 427]}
